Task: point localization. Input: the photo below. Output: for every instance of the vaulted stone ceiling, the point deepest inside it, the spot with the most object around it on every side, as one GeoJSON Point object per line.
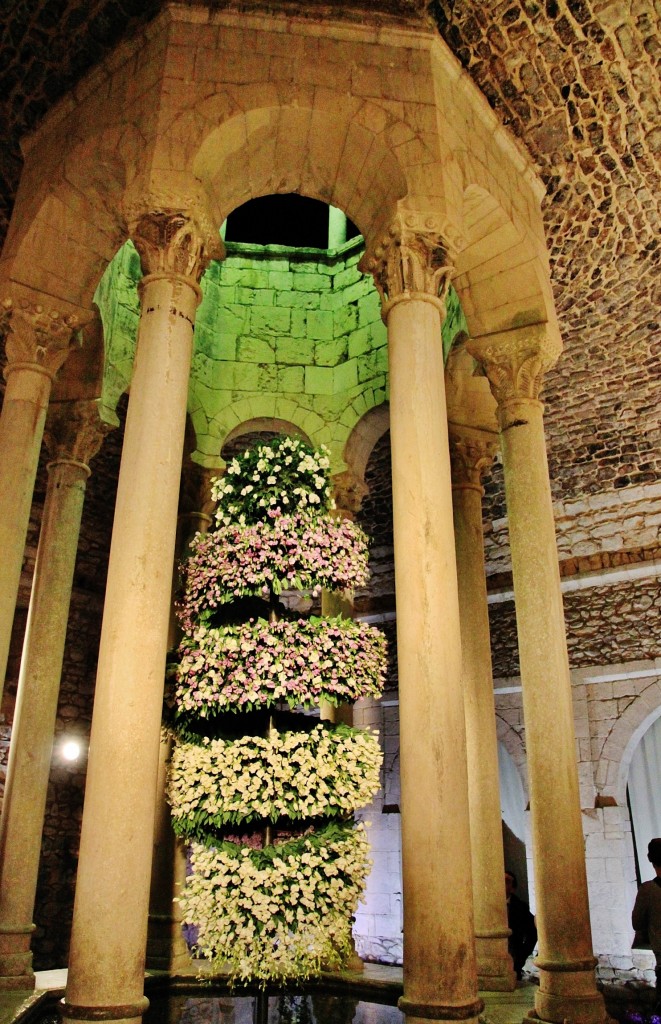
{"type": "Point", "coordinates": [577, 81]}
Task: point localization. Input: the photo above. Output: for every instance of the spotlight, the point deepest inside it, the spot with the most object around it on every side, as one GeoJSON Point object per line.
{"type": "Point", "coordinates": [70, 750]}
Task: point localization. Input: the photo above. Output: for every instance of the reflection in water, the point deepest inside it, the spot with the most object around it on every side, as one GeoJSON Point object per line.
{"type": "Point", "coordinates": [282, 1008]}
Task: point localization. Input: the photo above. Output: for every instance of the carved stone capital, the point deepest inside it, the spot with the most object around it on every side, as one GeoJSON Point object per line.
{"type": "Point", "coordinates": [38, 337]}
{"type": "Point", "coordinates": [170, 243]}
{"type": "Point", "coordinates": [515, 361]}
{"type": "Point", "coordinates": [348, 492]}
{"type": "Point", "coordinates": [470, 455]}
{"type": "Point", "coordinates": [74, 431]}
{"type": "Point", "coordinates": [411, 261]}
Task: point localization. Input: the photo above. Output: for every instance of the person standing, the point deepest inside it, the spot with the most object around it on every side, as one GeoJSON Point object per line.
{"type": "Point", "coordinates": [646, 914]}
{"type": "Point", "coordinates": [521, 923]}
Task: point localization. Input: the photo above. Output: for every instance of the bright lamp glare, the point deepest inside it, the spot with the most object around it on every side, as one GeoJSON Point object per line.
{"type": "Point", "coordinates": [71, 750]}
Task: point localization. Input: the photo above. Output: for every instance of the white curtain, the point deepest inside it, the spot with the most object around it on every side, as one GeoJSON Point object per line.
{"type": "Point", "coordinates": [645, 794]}
{"type": "Point", "coordinates": [512, 795]}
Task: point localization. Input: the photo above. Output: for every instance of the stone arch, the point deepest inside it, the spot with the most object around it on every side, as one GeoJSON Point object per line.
{"type": "Point", "coordinates": [612, 770]}
{"type": "Point", "coordinates": [266, 423]}
{"type": "Point", "coordinates": [310, 149]}
{"type": "Point", "coordinates": [501, 274]}
{"type": "Point", "coordinates": [514, 746]}
{"type": "Point", "coordinates": [67, 223]}
{"type": "Point", "coordinates": [265, 409]}
{"type": "Point", "coordinates": [369, 429]}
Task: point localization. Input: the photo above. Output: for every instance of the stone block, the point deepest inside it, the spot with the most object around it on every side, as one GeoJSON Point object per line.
{"type": "Point", "coordinates": [267, 378]}
{"type": "Point", "coordinates": [281, 280]}
{"type": "Point", "coordinates": [350, 275]}
{"type": "Point", "coordinates": [360, 342]}
{"type": "Point", "coordinates": [369, 309]}
{"type": "Point", "coordinates": [247, 277]}
{"type": "Point", "coordinates": [354, 292]}
{"type": "Point", "coordinates": [320, 325]}
{"type": "Point", "coordinates": [234, 317]}
{"type": "Point", "coordinates": [319, 380]}
{"type": "Point", "coordinates": [270, 320]}
{"type": "Point", "coordinates": [291, 379]}
{"type": "Point", "coordinates": [297, 300]}
{"type": "Point", "coordinates": [255, 350]}
{"type": "Point", "coordinates": [223, 346]}
{"type": "Point", "coordinates": [298, 326]}
{"type": "Point", "coordinates": [331, 352]}
{"type": "Point", "coordinates": [346, 376]}
{"type": "Point", "coordinates": [245, 376]}
{"type": "Point", "coordinates": [254, 296]}
{"type": "Point", "coordinates": [308, 282]}
{"type": "Point", "coordinates": [294, 350]}
{"type": "Point", "coordinates": [345, 320]}
{"type": "Point", "coordinates": [331, 300]}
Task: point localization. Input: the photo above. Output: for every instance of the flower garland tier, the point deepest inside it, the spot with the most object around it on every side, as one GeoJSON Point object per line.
{"type": "Point", "coordinates": [260, 663]}
{"type": "Point", "coordinates": [324, 773]}
{"type": "Point", "coordinates": [281, 912]}
{"type": "Point", "coordinates": [277, 901]}
{"type": "Point", "coordinates": [300, 551]}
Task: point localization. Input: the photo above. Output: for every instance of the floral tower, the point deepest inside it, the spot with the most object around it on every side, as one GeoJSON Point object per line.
{"type": "Point", "coordinates": [263, 790]}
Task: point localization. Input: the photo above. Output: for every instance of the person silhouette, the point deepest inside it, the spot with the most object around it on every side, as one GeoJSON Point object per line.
{"type": "Point", "coordinates": [646, 913]}
{"type": "Point", "coordinates": [521, 923]}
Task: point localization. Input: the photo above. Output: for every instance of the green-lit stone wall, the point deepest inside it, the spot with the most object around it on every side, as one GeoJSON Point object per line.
{"type": "Point", "coordinates": [291, 334]}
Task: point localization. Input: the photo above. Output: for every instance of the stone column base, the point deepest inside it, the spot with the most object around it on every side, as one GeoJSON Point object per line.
{"type": "Point", "coordinates": [567, 991]}
{"type": "Point", "coordinates": [166, 946]}
{"type": "Point", "coordinates": [424, 1012]}
{"type": "Point", "coordinates": [495, 971]}
{"type": "Point", "coordinates": [124, 1013]}
{"type": "Point", "coordinates": [16, 972]}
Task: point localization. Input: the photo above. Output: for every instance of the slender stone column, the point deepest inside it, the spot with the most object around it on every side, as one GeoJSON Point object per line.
{"type": "Point", "coordinates": [348, 492]}
{"type": "Point", "coordinates": [166, 946]}
{"type": "Point", "coordinates": [514, 362]}
{"type": "Point", "coordinates": [73, 435]}
{"type": "Point", "coordinates": [440, 976]}
{"type": "Point", "coordinates": [471, 453]}
{"type": "Point", "coordinates": [106, 967]}
{"type": "Point", "coordinates": [37, 345]}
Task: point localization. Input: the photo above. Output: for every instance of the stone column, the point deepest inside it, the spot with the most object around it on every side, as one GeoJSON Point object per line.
{"type": "Point", "coordinates": [412, 272]}
{"type": "Point", "coordinates": [166, 947]}
{"type": "Point", "coordinates": [73, 436]}
{"type": "Point", "coordinates": [37, 345]}
{"type": "Point", "coordinates": [107, 960]}
{"type": "Point", "coordinates": [515, 362]}
{"type": "Point", "coordinates": [471, 452]}
{"type": "Point", "coordinates": [348, 492]}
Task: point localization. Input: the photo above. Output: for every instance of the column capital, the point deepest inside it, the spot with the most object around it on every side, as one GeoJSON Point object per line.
{"type": "Point", "coordinates": [38, 337]}
{"type": "Point", "coordinates": [171, 243]}
{"type": "Point", "coordinates": [515, 361]}
{"type": "Point", "coordinates": [74, 431]}
{"type": "Point", "coordinates": [470, 455]}
{"type": "Point", "coordinates": [411, 261]}
{"type": "Point", "coordinates": [348, 492]}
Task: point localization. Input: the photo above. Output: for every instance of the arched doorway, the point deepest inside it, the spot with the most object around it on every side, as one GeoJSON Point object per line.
{"type": "Point", "coordinates": [644, 797]}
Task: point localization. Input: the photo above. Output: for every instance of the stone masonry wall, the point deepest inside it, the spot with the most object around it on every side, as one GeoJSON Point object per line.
{"type": "Point", "coordinates": [610, 521]}
{"type": "Point", "coordinates": [621, 623]}
{"type": "Point", "coordinates": [291, 334]}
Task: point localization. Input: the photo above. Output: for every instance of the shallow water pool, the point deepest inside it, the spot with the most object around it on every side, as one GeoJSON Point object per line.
{"type": "Point", "coordinates": [263, 1008]}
